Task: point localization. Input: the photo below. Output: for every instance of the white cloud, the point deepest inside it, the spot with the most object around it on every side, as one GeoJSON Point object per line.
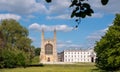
{"type": "Point", "coordinates": [65, 45]}
{"type": "Point", "coordinates": [96, 36]}
{"type": "Point", "coordinates": [104, 30]}
{"type": "Point", "coordinates": [9, 16]}
{"type": "Point", "coordinates": [38, 27]}
{"type": "Point", "coordinates": [35, 26]}
{"type": "Point", "coordinates": [30, 16]}
{"type": "Point", "coordinates": [21, 6]}
{"type": "Point", "coordinates": [63, 16]}
{"type": "Point", "coordinates": [69, 41]}
{"type": "Point", "coordinates": [32, 6]}
{"type": "Point", "coordinates": [58, 6]}
{"type": "Point", "coordinates": [97, 15]}
{"type": "Point", "coordinates": [111, 7]}
{"type": "Point", "coordinates": [33, 39]}
{"type": "Point", "coordinates": [61, 8]}
{"type": "Point", "coordinates": [93, 37]}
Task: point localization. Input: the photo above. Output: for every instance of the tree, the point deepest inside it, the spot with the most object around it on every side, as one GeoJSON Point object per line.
{"type": "Point", "coordinates": [1, 41]}
{"type": "Point", "coordinates": [16, 43]}
{"type": "Point", "coordinates": [37, 51]}
{"type": "Point", "coordinates": [108, 48]}
{"type": "Point", "coordinates": [81, 9]}
{"type": "Point", "coordinates": [15, 35]}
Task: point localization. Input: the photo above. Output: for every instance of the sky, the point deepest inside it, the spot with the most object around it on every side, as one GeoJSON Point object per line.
{"type": "Point", "coordinates": [37, 14]}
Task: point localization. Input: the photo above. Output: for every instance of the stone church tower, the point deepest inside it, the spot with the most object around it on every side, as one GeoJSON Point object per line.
{"type": "Point", "coordinates": [48, 49]}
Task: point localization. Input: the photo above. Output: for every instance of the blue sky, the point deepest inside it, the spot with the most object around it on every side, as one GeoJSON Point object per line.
{"type": "Point", "coordinates": [37, 14]}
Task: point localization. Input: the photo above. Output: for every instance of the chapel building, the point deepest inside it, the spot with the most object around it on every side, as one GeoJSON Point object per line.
{"type": "Point", "coordinates": [48, 49]}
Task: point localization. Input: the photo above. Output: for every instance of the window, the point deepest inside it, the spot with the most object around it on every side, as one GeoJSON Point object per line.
{"type": "Point", "coordinates": [74, 55]}
{"type": "Point", "coordinates": [48, 49]}
{"type": "Point", "coordinates": [88, 60]}
{"type": "Point", "coordinates": [71, 59]}
{"type": "Point", "coordinates": [84, 56]}
{"type": "Point", "coordinates": [65, 55]}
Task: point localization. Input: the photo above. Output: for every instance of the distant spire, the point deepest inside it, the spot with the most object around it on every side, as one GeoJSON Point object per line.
{"type": "Point", "coordinates": [42, 35]}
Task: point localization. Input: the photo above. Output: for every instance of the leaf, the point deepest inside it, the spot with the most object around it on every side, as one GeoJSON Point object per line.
{"type": "Point", "coordinates": [72, 15]}
{"type": "Point", "coordinates": [76, 26]}
{"type": "Point", "coordinates": [77, 8]}
{"type": "Point", "coordinates": [86, 5]}
{"type": "Point", "coordinates": [73, 3]}
{"type": "Point", "coordinates": [48, 1]}
{"type": "Point", "coordinates": [82, 0]}
{"type": "Point", "coordinates": [76, 20]}
{"type": "Point", "coordinates": [81, 14]}
{"type": "Point", "coordinates": [91, 11]}
{"type": "Point", "coordinates": [104, 2]}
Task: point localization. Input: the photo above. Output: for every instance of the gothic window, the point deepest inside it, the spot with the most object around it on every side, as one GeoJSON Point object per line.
{"type": "Point", "coordinates": [48, 49]}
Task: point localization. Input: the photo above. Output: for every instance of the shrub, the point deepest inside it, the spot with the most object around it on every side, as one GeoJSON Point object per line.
{"type": "Point", "coordinates": [11, 59]}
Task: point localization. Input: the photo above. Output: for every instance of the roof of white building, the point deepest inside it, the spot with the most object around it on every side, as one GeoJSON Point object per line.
{"type": "Point", "coordinates": [78, 50]}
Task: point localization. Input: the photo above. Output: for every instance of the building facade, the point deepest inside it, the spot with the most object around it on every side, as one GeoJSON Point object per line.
{"type": "Point", "coordinates": [49, 53]}
{"type": "Point", "coordinates": [78, 56]}
{"type": "Point", "coordinates": [48, 49]}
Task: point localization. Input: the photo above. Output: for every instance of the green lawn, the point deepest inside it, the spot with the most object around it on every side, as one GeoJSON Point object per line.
{"type": "Point", "coordinates": [55, 68]}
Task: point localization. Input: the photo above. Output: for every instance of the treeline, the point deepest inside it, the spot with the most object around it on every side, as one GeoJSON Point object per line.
{"type": "Point", "coordinates": [15, 45]}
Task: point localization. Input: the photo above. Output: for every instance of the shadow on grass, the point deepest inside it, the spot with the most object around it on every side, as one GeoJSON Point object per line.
{"type": "Point", "coordinates": [35, 65]}
{"type": "Point", "coordinates": [95, 70]}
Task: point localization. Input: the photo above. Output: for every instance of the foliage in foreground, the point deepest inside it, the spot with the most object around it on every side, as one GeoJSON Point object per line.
{"type": "Point", "coordinates": [13, 58]}
{"type": "Point", "coordinates": [15, 46]}
{"type": "Point", "coordinates": [108, 48]}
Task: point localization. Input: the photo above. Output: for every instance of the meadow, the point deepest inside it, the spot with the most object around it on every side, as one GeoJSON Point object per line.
{"type": "Point", "coordinates": [56, 68]}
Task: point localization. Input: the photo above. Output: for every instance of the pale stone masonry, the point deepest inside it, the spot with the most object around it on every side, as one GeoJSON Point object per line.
{"type": "Point", "coordinates": [48, 49]}
{"type": "Point", "coordinates": [49, 55]}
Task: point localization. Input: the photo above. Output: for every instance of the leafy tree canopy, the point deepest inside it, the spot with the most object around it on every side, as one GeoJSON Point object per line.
{"type": "Point", "coordinates": [37, 51]}
{"type": "Point", "coordinates": [15, 36]}
{"type": "Point", "coordinates": [15, 49]}
{"type": "Point", "coordinates": [108, 48]}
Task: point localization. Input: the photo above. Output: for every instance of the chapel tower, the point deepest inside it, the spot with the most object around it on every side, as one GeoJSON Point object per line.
{"type": "Point", "coordinates": [48, 49]}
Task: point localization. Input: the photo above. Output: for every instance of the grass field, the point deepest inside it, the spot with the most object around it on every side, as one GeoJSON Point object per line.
{"type": "Point", "coordinates": [55, 68]}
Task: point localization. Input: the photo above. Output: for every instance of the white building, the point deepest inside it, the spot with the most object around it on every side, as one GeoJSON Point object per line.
{"type": "Point", "coordinates": [78, 55]}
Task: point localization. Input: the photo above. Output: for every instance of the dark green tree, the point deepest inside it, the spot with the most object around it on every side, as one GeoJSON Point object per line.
{"type": "Point", "coordinates": [1, 41]}
{"type": "Point", "coordinates": [108, 48]}
{"type": "Point", "coordinates": [37, 51]}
